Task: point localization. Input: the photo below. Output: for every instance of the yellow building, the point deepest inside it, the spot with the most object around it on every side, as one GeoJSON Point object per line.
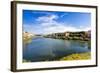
{"type": "Point", "coordinates": [27, 35]}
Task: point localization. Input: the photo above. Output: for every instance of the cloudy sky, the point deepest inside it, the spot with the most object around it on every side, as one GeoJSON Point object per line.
{"type": "Point", "coordinates": [44, 22]}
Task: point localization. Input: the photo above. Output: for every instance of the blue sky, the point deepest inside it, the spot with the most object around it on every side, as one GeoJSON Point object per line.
{"type": "Point", "coordinates": [45, 22]}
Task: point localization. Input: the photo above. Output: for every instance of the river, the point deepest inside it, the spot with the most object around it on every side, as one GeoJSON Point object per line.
{"type": "Point", "coordinates": [49, 49]}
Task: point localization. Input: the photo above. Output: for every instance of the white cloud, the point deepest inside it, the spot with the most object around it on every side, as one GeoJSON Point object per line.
{"type": "Point", "coordinates": [48, 18]}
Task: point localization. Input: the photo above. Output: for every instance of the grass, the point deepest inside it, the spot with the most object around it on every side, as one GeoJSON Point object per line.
{"type": "Point", "coordinates": [77, 56]}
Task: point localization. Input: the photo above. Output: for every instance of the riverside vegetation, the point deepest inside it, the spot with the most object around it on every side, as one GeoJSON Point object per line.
{"type": "Point", "coordinates": [77, 56]}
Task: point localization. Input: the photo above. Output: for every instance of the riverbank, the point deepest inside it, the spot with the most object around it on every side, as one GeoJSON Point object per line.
{"type": "Point", "coordinates": [77, 56]}
{"type": "Point", "coordinates": [82, 35]}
